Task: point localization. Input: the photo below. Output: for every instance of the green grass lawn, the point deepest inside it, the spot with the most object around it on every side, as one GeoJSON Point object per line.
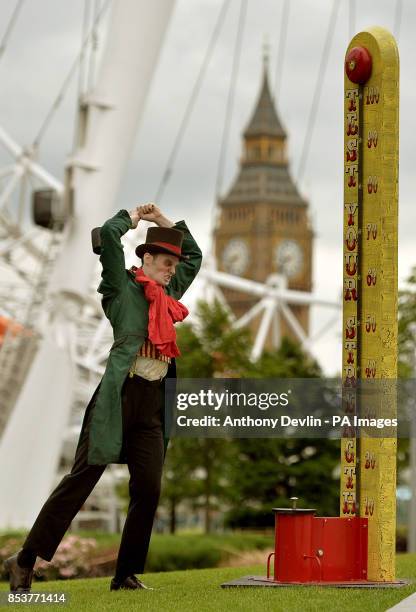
{"type": "Point", "coordinates": [200, 590]}
{"type": "Point", "coordinates": [170, 552]}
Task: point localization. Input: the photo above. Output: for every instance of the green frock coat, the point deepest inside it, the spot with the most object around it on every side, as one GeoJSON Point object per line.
{"type": "Point", "coordinates": [125, 306]}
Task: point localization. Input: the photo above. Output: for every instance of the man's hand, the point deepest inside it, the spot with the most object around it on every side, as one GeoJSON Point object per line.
{"type": "Point", "coordinates": [151, 212]}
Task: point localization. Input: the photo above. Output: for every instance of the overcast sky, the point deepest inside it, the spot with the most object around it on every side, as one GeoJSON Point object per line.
{"type": "Point", "coordinates": [46, 39]}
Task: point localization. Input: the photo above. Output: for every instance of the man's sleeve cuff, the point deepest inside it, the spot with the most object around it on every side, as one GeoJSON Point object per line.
{"type": "Point", "coordinates": [127, 215]}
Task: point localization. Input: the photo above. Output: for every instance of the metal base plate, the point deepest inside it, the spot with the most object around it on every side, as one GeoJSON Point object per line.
{"type": "Point", "coordinates": [263, 581]}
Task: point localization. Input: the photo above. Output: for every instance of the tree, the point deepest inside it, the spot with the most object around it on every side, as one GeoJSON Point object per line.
{"type": "Point", "coordinates": [250, 476]}
{"type": "Point", "coordinates": [214, 346]}
{"type": "Point", "coordinates": [288, 361]}
{"type": "Point", "coordinates": [406, 337]}
{"type": "Point", "coordinates": [270, 471]}
{"type": "Point", "coordinates": [407, 328]}
{"type": "Point", "coordinates": [179, 481]}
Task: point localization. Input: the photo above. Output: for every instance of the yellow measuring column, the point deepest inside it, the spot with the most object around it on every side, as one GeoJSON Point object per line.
{"type": "Point", "coordinates": [371, 155]}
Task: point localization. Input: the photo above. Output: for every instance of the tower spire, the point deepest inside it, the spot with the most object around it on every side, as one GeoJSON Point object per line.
{"type": "Point", "coordinates": [265, 120]}
{"type": "Point", "coordinates": [266, 54]}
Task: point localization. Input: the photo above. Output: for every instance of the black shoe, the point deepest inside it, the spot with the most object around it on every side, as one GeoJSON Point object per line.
{"type": "Point", "coordinates": [130, 583]}
{"type": "Point", "coordinates": [20, 577]}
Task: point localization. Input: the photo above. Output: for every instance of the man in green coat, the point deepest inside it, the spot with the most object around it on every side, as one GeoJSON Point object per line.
{"type": "Point", "coordinates": [124, 420]}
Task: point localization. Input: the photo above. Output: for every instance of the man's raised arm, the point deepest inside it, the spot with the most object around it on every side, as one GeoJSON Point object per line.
{"type": "Point", "coordinates": [112, 252]}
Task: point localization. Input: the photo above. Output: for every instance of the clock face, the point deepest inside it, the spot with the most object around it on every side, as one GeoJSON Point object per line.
{"type": "Point", "coordinates": [289, 258]}
{"type": "Point", "coordinates": [235, 256]}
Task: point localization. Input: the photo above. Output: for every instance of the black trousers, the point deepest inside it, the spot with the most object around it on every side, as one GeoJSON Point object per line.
{"type": "Point", "coordinates": [143, 446]}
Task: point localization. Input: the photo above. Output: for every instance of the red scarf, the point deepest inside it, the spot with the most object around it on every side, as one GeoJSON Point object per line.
{"type": "Point", "coordinates": [164, 311]}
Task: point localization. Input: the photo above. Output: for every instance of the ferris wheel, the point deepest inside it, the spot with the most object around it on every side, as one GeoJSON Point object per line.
{"type": "Point", "coordinates": [54, 338]}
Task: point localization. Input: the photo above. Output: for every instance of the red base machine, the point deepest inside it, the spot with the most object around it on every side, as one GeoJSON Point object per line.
{"type": "Point", "coordinates": [314, 549]}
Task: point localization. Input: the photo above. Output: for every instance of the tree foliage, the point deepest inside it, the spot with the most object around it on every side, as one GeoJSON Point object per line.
{"type": "Point", "coordinates": [247, 477]}
{"type": "Point", "coordinates": [213, 346]}
{"type": "Point", "coordinates": [407, 328]}
{"type": "Point", "coordinates": [407, 349]}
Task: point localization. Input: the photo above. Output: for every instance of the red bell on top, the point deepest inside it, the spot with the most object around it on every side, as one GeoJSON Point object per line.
{"type": "Point", "coordinates": [358, 65]}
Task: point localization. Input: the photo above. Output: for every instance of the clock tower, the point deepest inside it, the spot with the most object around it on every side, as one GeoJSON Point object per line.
{"type": "Point", "coordinates": [263, 227]}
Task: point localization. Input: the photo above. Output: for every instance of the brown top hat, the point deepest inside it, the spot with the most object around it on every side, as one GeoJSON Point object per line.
{"type": "Point", "coordinates": [162, 240]}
